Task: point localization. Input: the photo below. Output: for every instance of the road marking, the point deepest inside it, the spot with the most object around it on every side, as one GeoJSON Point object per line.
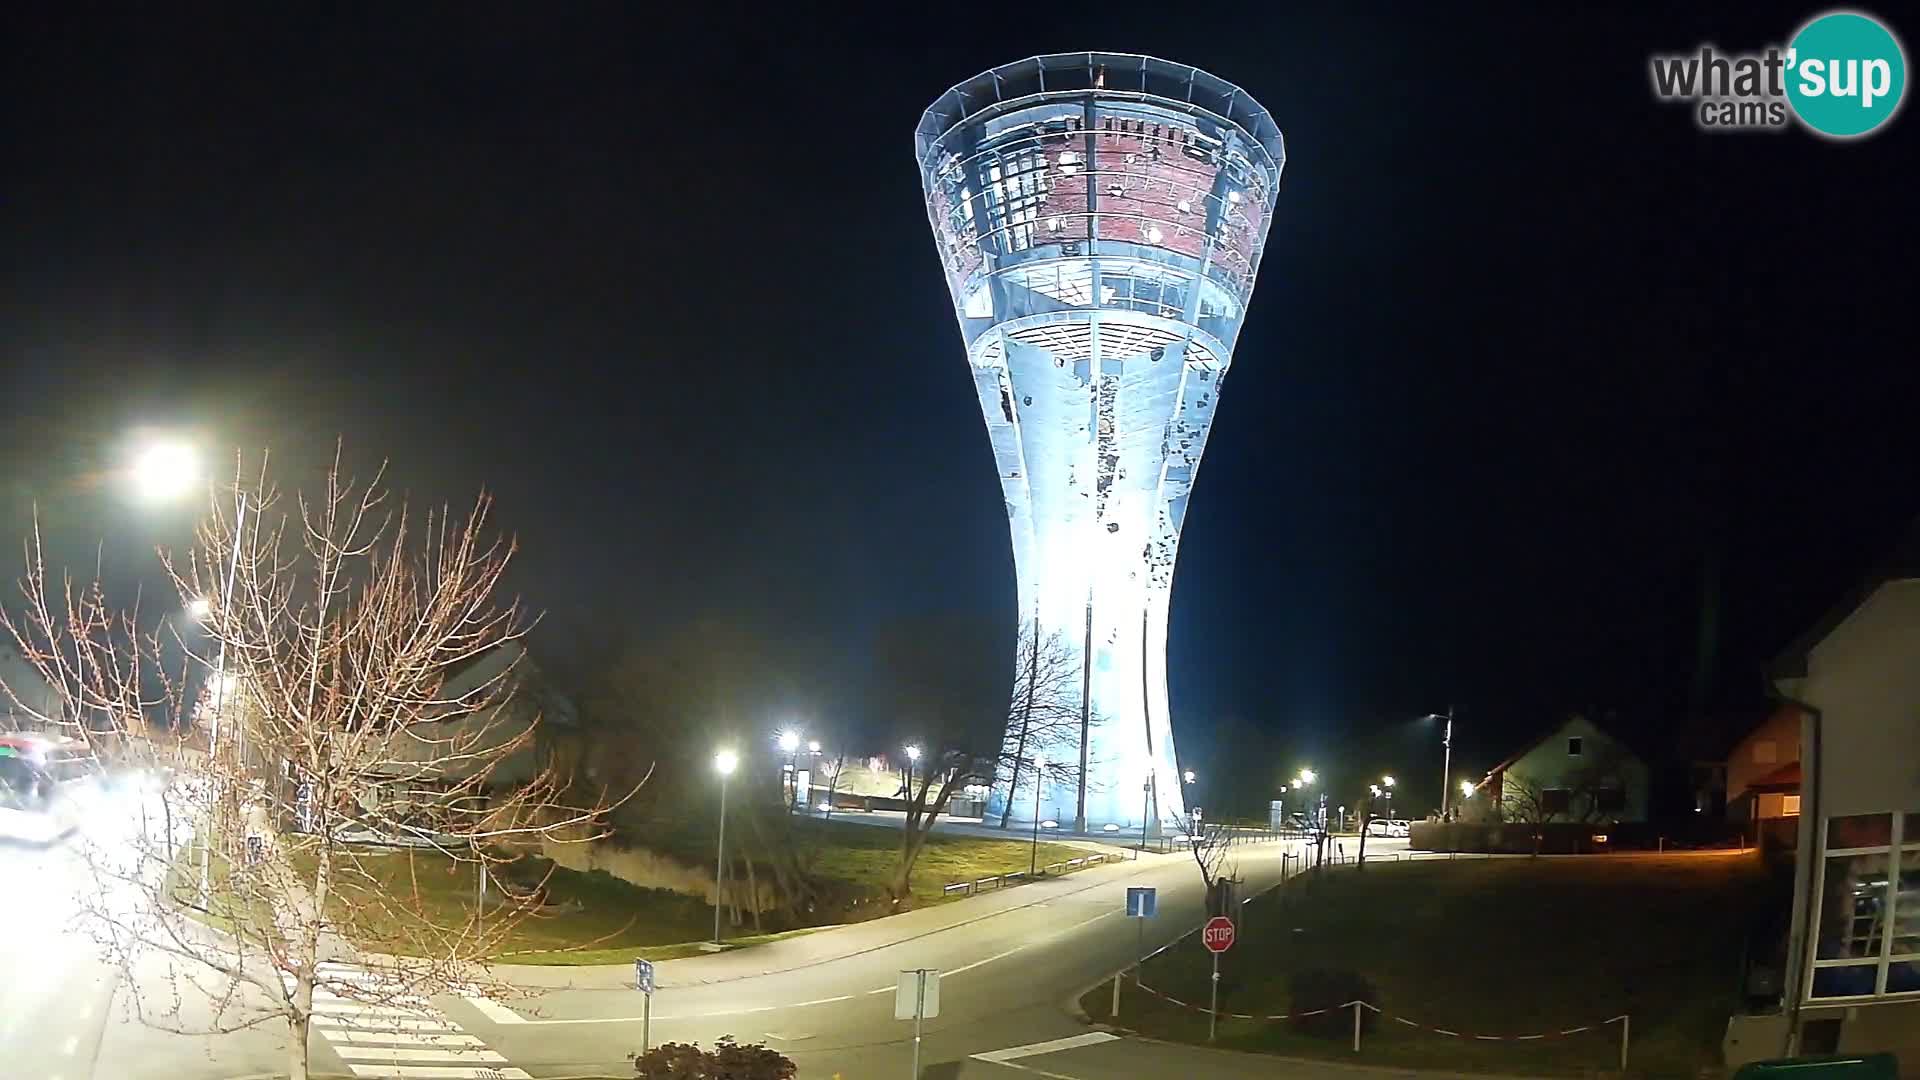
{"type": "Point", "coordinates": [397, 1054]}
{"type": "Point", "coordinates": [493, 1010]}
{"type": "Point", "coordinates": [405, 1038]}
{"type": "Point", "coordinates": [1091, 1038]}
{"type": "Point", "coordinates": [440, 1072]}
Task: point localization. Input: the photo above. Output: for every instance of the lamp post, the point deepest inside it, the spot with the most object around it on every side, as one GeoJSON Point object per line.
{"type": "Point", "coordinates": [723, 763]}
{"type": "Point", "coordinates": [790, 743]}
{"type": "Point", "coordinates": [1446, 757]}
{"type": "Point", "coordinates": [1033, 858]}
{"type": "Point", "coordinates": [165, 470]}
{"type": "Point", "coordinates": [1388, 782]}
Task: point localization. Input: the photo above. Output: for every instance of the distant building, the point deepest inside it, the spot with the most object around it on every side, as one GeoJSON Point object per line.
{"type": "Point", "coordinates": [1763, 778]}
{"type": "Point", "coordinates": [1854, 947]}
{"type": "Point", "coordinates": [1576, 773]}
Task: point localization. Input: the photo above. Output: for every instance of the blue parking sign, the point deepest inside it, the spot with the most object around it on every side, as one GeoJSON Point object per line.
{"type": "Point", "coordinates": [1141, 902]}
{"type": "Point", "coordinates": [643, 975]}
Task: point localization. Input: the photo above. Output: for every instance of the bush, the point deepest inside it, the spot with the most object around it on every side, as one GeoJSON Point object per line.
{"type": "Point", "coordinates": [728, 1060]}
{"type": "Point", "coordinates": [1328, 989]}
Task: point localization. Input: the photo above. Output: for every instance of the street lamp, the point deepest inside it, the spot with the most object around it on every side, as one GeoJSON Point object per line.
{"type": "Point", "coordinates": [813, 746]}
{"type": "Point", "coordinates": [165, 470]}
{"type": "Point", "coordinates": [1033, 858]}
{"type": "Point", "coordinates": [1446, 756]}
{"type": "Point", "coordinates": [1467, 789]}
{"type": "Point", "coordinates": [790, 742]}
{"type": "Point", "coordinates": [723, 763]}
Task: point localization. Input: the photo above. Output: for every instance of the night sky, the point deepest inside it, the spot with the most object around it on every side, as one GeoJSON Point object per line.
{"type": "Point", "coordinates": [1536, 374]}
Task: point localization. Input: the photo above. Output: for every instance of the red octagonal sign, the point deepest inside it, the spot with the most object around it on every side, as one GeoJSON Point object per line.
{"type": "Point", "coordinates": [1217, 936]}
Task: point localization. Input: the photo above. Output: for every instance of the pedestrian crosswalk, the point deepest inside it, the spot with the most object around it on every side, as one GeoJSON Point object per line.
{"type": "Point", "coordinates": [397, 1037]}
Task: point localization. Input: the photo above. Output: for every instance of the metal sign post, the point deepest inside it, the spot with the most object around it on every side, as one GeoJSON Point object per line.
{"type": "Point", "coordinates": [1217, 936]}
{"type": "Point", "coordinates": [1143, 903]}
{"type": "Point", "coordinates": [917, 998]}
{"type": "Point", "coordinates": [643, 982]}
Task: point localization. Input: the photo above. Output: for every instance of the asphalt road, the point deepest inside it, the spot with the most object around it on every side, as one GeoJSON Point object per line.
{"type": "Point", "coordinates": [1008, 980]}
{"type": "Point", "coordinates": [55, 997]}
{"type": "Point", "coordinates": [1012, 964]}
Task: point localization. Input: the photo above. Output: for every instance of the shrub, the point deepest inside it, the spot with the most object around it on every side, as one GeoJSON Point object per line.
{"type": "Point", "coordinates": [1328, 989]}
{"type": "Point", "coordinates": [728, 1060]}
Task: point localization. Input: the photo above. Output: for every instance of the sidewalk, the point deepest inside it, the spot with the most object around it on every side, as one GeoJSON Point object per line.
{"type": "Point", "coordinates": [825, 946]}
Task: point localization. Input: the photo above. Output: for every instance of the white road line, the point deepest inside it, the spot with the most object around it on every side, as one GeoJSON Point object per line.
{"type": "Point", "coordinates": [440, 1072]}
{"type": "Point", "coordinates": [403, 1038]}
{"type": "Point", "coordinates": [1091, 1038]}
{"type": "Point", "coordinates": [409, 1024]}
{"type": "Point", "coordinates": [493, 1010]}
{"type": "Point", "coordinates": [395, 1055]}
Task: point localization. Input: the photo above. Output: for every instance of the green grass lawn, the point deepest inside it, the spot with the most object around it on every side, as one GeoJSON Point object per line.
{"type": "Point", "coordinates": [593, 911]}
{"type": "Point", "coordinates": [864, 855]}
{"type": "Point", "coordinates": [1503, 947]}
{"type": "Point", "coordinates": [600, 919]}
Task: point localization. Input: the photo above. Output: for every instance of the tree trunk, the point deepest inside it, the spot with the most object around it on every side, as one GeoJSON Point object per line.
{"type": "Point", "coordinates": [1026, 724]}
{"type": "Point", "coordinates": [299, 1026]}
{"type": "Point", "coordinates": [1366, 818]}
{"type": "Point", "coordinates": [833, 785]}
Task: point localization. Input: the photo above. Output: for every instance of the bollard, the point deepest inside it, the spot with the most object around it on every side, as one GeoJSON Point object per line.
{"type": "Point", "coordinates": [1114, 1012]}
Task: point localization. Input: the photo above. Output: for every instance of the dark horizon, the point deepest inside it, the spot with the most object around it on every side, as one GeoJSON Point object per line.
{"type": "Point", "coordinates": [1546, 400]}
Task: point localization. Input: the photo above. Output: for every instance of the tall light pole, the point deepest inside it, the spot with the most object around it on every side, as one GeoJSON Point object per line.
{"type": "Point", "coordinates": [1446, 757]}
{"type": "Point", "coordinates": [790, 743]}
{"type": "Point", "coordinates": [1033, 859]}
{"type": "Point", "coordinates": [1388, 781]}
{"type": "Point", "coordinates": [165, 470]}
{"type": "Point", "coordinates": [723, 763]}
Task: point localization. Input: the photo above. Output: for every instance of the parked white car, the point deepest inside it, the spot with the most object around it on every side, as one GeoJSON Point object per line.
{"type": "Point", "coordinates": [1387, 827]}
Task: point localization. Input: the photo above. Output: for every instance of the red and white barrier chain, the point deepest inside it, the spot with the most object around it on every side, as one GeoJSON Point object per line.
{"type": "Point", "coordinates": [1397, 1019]}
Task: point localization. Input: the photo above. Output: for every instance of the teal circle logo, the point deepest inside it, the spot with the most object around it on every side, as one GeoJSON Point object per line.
{"type": "Point", "coordinates": [1846, 74]}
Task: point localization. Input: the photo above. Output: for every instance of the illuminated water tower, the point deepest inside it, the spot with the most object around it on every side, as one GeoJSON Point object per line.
{"type": "Point", "coordinates": [1100, 217]}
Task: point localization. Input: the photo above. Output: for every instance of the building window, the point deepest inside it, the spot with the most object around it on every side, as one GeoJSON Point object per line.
{"type": "Point", "coordinates": [1556, 800]}
{"type": "Point", "coordinates": [1573, 746]}
{"type": "Point", "coordinates": [1868, 919]}
{"type": "Point", "coordinates": [1789, 806]}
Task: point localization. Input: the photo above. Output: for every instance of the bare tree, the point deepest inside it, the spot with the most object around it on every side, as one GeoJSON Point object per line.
{"type": "Point", "coordinates": [1043, 713]}
{"type": "Point", "coordinates": [355, 685]}
{"type": "Point", "coordinates": [943, 691]}
{"type": "Point", "coordinates": [1527, 801]}
{"type": "Point", "coordinates": [1209, 843]}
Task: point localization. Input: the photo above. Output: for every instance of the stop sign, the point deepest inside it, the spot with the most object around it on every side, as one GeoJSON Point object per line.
{"type": "Point", "coordinates": [1217, 936]}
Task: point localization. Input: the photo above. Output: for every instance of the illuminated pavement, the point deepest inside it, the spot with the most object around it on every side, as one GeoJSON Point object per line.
{"type": "Point", "coordinates": [1012, 963]}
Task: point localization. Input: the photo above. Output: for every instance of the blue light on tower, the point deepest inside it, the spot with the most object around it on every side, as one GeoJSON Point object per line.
{"type": "Point", "coordinates": [1100, 217]}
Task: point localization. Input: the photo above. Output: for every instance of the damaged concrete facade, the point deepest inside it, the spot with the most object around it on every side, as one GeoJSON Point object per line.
{"type": "Point", "coordinates": [1100, 218]}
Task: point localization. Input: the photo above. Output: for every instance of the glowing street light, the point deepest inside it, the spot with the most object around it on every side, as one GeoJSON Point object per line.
{"type": "Point", "coordinates": [1467, 789]}
{"type": "Point", "coordinates": [165, 470]}
{"type": "Point", "coordinates": [1387, 780]}
{"type": "Point", "coordinates": [913, 753]}
{"type": "Point", "coordinates": [813, 746]}
{"type": "Point", "coordinates": [724, 763]}
{"type": "Point", "coordinates": [790, 740]}
{"type": "Point", "coordinates": [1305, 779]}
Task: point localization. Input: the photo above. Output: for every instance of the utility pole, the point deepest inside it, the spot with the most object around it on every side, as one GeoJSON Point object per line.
{"type": "Point", "coordinates": [1446, 763]}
